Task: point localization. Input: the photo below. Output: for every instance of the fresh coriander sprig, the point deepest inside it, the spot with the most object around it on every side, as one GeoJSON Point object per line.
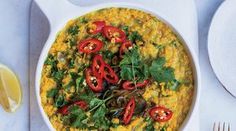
{"type": "Point", "coordinates": [99, 102]}
{"type": "Point", "coordinates": [131, 66]}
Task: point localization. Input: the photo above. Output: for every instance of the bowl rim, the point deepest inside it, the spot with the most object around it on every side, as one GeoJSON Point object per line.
{"type": "Point", "coordinates": [191, 54]}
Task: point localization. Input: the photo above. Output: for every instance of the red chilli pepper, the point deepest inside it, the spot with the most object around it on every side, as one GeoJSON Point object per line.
{"type": "Point", "coordinates": [160, 114]}
{"type": "Point", "coordinates": [129, 110]}
{"type": "Point", "coordinates": [94, 82]}
{"type": "Point", "coordinates": [109, 74]}
{"type": "Point", "coordinates": [129, 85]}
{"type": "Point", "coordinates": [82, 104]}
{"type": "Point", "coordinates": [99, 25]}
{"type": "Point", "coordinates": [65, 109]}
{"type": "Point", "coordinates": [125, 47]}
{"type": "Point", "coordinates": [97, 66]}
{"type": "Point", "coordinates": [91, 45]}
{"type": "Point", "coordinates": [114, 34]}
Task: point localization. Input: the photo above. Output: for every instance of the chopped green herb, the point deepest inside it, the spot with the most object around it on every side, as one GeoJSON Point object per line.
{"type": "Point", "coordinates": [50, 60]}
{"type": "Point", "coordinates": [100, 37]}
{"type": "Point", "coordinates": [77, 118]}
{"type": "Point", "coordinates": [79, 83]}
{"type": "Point", "coordinates": [73, 30]}
{"type": "Point", "coordinates": [73, 75]}
{"type": "Point", "coordinates": [107, 55]}
{"type": "Point", "coordinates": [67, 129]}
{"type": "Point", "coordinates": [158, 46]}
{"type": "Point", "coordinates": [100, 110]}
{"type": "Point", "coordinates": [134, 36]}
{"type": "Point", "coordinates": [101, 122]}
{"type": "Point", "coordinates": [84, 20]}
{"type": "Point", "coordinates": [59, 100]}
{"type": "Point", "coordinates": [143, 72]}
{"type": "Point", "coordinates": [173, 85]}
{"type": "Point", "coordinates": [114, 125]}
{"type": "Point", "coordinates": [161, 73]}
{"type": "Point", "coordinates": [71, 63]}
{"type": "Point", "coordinates": [149, 126]}
{"type": "Point", "coordinates": [68, 86]}
{"type": "Point", "coordinates": [125, 29]}
{"type": "Point", "coordinates": [173, 43]}
{"type": "Point", "coordinates": [95, 103]}
{"type": "Point", "coordinates": [164, 128]}
{"type": "Point", "coordinates": [87, 96]}
{"type": "Point", "coordinates": [72, 41]}
{"type": "Point", "coordinates": [132, 67]}
{"type": "Point", "coordinates": [57, 75]}
{"type": "Point", "coordinates": [52, 93]}
{"type": "Point", "coordinates": [126, 73]}
{"type": "Point", "coordinates": [82, 67]}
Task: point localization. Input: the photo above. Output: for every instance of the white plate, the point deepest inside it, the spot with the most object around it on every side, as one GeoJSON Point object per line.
{"type": "Point", "coordinates": [222, 45]}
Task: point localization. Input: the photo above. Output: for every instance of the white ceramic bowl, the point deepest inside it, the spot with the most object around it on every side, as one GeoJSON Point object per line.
{"type": "Point", "coordinates": [58, 15]}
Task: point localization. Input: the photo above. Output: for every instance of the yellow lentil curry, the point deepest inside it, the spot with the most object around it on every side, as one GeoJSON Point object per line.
{"type": "Point", "coordinates": [117, 69]}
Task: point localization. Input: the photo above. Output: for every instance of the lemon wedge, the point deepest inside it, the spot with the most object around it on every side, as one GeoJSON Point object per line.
{"type": "Point", "coordinates": [10, 90]}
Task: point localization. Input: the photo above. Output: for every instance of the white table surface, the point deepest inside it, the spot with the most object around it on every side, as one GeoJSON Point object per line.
{"type": "Point", "coordinates": [14, 17]}
{"type": "Point", "coordinates": [216, 103]}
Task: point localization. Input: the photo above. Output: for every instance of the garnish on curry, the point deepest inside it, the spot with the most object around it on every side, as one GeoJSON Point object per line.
{"type": "Point", "coordinates": [117, 69]}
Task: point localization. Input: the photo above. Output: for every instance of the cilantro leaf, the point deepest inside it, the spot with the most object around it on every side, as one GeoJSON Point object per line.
{"type": "Point", "coordinates": [52, 93]}
{"type": "Point", "coordinates": [84, 20]}
{"type": "Point", "coordinates": [149, 126]}
{"type": "Point", "coordinates": [165, 75]}
{"type": "Point", "coordinates": [95, 103]}
{"type": "Point", "coordinates": [100, 112]}
{"type": "Point", "coordinates": [125, 29]}
{"type": "Point", "coordinates": [57, 75]}
{"type": "Point", "coordinates": [99, 118]}
{"type": "Point", "coordinates": [73, 30]}
{"type": "Point", "coordinates": [158, 63]}
{"type": "Point", "coordinates": [71, 40]}
{"type": "Point", "coordinates": [100, 37]}
{"type": "Point", "coordinates": [131, 57]}
{"type": "Point", "coordinates": [134, 36]}
{"type": "Point", "coordinates": [79, 83]}
{"type": "Point", "coordinates": [71, 63]}
{"type": "Point", "coordinates": [77, 118]}
{"type": "Point", "coordinates": [132, 67]}
{"type": "Point", "coordinates": [126, 73]}
{"type": "Point", "coordinates": [99, 109]}
{"type": "Point", "coordinates": [174, 43]}
{"type": "Point", "coordinates": [68, 86]}
{"type": "Point", "coordinates": [161, 73]}
{"type": "Point", "coordinates": [50, 60]}
{"type": "Point", "coordinates": [142, 72]}
{"type": "Point", "coordinates": [59, 100]}
{"type": "Point", "coordinates": [73, 75]}
{"type": "Point", "coordinates": [173, 85]}
{"type": "Point", "coordinates": [87, 96]}
{"type": "Point", "coordinates": [164, 128]}
{"type": "Point", "coordinates": [107, 54]}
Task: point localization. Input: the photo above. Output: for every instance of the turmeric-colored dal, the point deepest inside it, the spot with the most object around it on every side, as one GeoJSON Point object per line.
{"type": "Point", "coordinates": [64, 81]}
